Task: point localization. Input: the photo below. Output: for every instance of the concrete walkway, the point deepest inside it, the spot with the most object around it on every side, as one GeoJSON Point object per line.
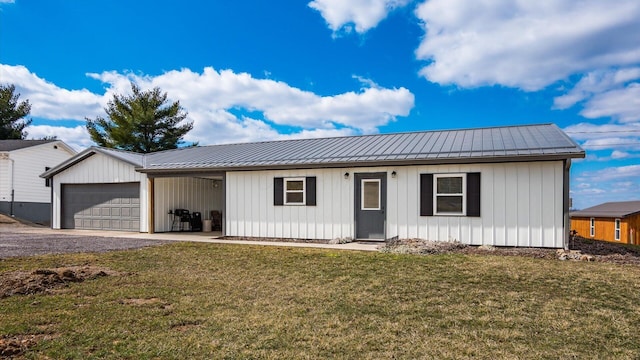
{"type": "Point", "coordinates": [208, 237]}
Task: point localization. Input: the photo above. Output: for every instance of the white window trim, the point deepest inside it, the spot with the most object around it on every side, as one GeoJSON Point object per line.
{"type": "Point", "coordinates": [362, 193]}
{"type": "Point", "coordinates": [303, 191]}
{"type": "Point", "coordinates": [592, 227]}
{"type": "Point", "coordinates": [463, 194]}
{"type": "Point", "coordinates": [617, 229]}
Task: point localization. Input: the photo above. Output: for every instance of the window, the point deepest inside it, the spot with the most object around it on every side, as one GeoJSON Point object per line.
{"type": "Point", "coordinates": [592, 227]}
{"type": "Point", "coordinates": [449, 194]}
{"type": "Point", "coordinates": [47, 181]}
{"type": "Point", "coordinates": [370, 196]}
{"type": "Point", "coordinates": [617, 231]}
{"type": "Point", "coordinates": [294, 191]}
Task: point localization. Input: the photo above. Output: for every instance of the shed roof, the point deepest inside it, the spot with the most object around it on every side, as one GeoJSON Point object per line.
{"type": "Point", "coordinates": [617, 209]}
{"type": "Point", "coordinates": [11, 145]}
{"type": "Point", "coordinates": [508, 143]}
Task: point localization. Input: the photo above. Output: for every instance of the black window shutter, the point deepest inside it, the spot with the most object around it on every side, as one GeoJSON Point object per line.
{"type": "Point", "coordinates": [426, 194]}
{"type": "Point", "coordinates": [473, 194]}
{"type": "Point", "coordinates": [311, 190]}
{"type": "Point", "coordinates": [278, 191]}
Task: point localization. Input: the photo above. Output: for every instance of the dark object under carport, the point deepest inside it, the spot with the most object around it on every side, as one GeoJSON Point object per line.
{"type": "Point", "coordinates": [196, 221]}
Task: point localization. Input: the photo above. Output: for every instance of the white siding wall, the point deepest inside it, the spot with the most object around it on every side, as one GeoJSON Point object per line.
{"type": "Point", "coordinates": [28, 164]}
{"type": "Point", "coordinates": [250, 209]}
{"type": "Point", "coordinates": [193, 194]}
{"type": "Point", "coordinates": [97, 169]}
{"type": "Point", "coordinates": [521, 205]}
{"type": "Point", "coordinates": [5, 180]}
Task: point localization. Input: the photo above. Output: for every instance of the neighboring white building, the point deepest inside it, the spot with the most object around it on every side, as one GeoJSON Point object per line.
{"type": "Point", "coordinates": [503, 186]}
{"type": "Point", "coordinates": [22, 192]}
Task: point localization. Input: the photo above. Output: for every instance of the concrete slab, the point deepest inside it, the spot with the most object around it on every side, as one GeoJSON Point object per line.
{"type": "Point", "coordinates": [208, 237]}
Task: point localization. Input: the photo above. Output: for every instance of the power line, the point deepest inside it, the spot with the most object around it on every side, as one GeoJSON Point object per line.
{"type": "Point", "coordinates": [602, 132]}
{"type": "Point", "coordinates": [621, 144]}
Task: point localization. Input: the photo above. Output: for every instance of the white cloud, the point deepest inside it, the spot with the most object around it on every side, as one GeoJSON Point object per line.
{"type": "Point", "coordinates": [617, 154]}
{"type": "Point", "coordinates": [608, 184]}
{"type": "Point", "coordinates": [614, 173]}
{"type": "Point", "coordinates": [48, 100]}
{"type": "Point", "coordinates": [611, 142]}
{"type": "Point", "coordinates": [206, 93]}
{"type": "Point", "coordinates": [620, 104]}
{"type": "Point", "coordinates": [596, 82]}
{"type": "Point", "coordinates": [213, 98]}
{"type": "Point", "coordinates": [361, 14]}
{"type": "Point", "coordinates": [588, 191]}
{"type": "Point", "coordinates": [525, 44]}
{"type": "Point", "coordinates": [76, 137]}
{"type": "Point", "coordinates": [625, 187]}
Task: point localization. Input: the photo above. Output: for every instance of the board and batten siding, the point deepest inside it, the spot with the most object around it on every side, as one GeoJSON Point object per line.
{"type": "Point", "coordinates": [251, 212]}
{"type": "Point", "coordinates": [193, 194]}
{"type": "Point", "coordinates": [521, 205]}
{"type": "Point", "coordinates": [97, 169]}
{"type": "Point", "coordinates": [23, 173]}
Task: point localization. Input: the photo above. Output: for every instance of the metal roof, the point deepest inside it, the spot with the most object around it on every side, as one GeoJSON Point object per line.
{"type": "Point", "coordinates": [134, 159]}
{"type": "Point", "coordinates": [11, 145]}
{"type": "Point", "coordinates": [509, 143]}
{"type": "Point", "coordinates": [497, 144]}
{"type": "Point", "coordinates": [617, 209]}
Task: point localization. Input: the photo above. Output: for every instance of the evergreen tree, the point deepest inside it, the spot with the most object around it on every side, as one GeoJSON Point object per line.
{"type": "Point", "coordinates": [12, 114]}
{"type": "Point", "coordinates": [141, 122]}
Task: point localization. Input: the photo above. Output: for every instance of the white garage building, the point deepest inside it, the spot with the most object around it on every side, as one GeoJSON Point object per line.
{"type": "Point", "coordinates": [502, 186]}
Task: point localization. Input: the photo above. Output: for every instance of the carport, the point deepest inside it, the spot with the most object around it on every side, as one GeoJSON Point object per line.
{"type": "Point", "coordinates": [197, 193]}
{"type": "Point", "coordinates": [107, 189]}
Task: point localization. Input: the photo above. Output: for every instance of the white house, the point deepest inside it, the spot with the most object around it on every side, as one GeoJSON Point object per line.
{"type": "Point", "coordinates": [22, 192]}
{"type": "Point", "coordinates": [503, 186]}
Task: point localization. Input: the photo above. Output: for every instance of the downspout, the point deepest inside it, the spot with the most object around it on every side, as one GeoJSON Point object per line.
{"type": "Point", "coordinates": [566, 221]}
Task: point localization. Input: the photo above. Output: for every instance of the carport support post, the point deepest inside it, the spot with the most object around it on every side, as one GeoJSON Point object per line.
{"type": "Point", "coordinates": [151, 208]}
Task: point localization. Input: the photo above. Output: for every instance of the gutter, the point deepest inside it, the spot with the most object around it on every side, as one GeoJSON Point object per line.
{"type": "Point", "coordinates": [190, 168]}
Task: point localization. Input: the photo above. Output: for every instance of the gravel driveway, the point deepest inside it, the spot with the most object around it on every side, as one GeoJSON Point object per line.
{"type": "Point", "coordinates": [16, 244]}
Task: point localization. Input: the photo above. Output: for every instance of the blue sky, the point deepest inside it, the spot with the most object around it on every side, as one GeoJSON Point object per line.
{"type": "Point", "coordinates": [261, 70]}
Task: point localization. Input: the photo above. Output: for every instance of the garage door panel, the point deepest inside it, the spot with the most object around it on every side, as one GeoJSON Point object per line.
{"type": "Point", "coordinates": [101, 206]}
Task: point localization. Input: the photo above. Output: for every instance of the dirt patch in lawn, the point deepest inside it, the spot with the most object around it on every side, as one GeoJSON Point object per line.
{"type": "Point", "coordinates": [44, 280]}
{"type": "Point", "coordinates": [141, 302]}
{"type": "Point", "coordinates": [580, 249]}
{"type": "Point", "coordinates": [14, 346]}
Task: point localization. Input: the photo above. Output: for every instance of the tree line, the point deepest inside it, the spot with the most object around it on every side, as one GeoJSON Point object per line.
{"type": "Point", "coordinates": [143, 122]}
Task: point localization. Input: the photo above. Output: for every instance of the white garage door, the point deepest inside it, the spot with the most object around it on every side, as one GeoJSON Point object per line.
{"type": "Point", "coordinates": [101, 206]}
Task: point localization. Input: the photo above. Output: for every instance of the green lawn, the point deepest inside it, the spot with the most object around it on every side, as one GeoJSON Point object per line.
{"type": "Point", "coordinates": [208, 301]}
